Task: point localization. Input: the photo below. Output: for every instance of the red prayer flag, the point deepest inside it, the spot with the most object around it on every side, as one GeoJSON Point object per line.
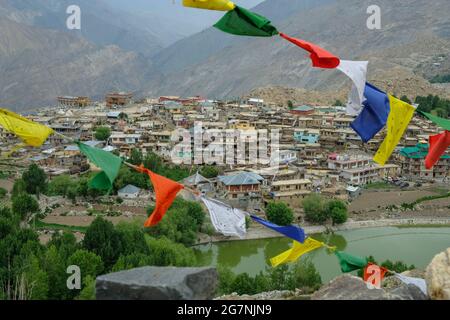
{"type": "Point", "coordinates": [438, 145]}
{"type": "Point", "coordinates": [166, 191]}
{"type": "Point", "coordinates": [320, 57]}
{"type": "Point", "coordinates": [372, 275]}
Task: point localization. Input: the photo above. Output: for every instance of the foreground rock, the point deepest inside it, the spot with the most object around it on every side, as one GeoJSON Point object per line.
{"type": "Point", "coordinates": [158, 283]}
{"type": "Point", "coordinates": [347, 287]}
{"type": "Point", "coordinates": [437, 276]}
{"type": "Point", "coordinates": [270, 295]}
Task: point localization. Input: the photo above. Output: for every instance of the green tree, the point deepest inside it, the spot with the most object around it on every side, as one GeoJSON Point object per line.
{"type": "Point", "coordinates": [127, 176]}
{"type": "Point", "coordinates": [88, 289]}
{"type": "Point", "coordinates": [337, 210]}
{"type": "Point", "coordinates": [18, 188]}
{"type": "Point", "coordinates": [102, 239]}
{"type": "Point", "coordinates": [164, 252]}
{"type": "Point", "coordinates": [406, 99]}
{"type": "Point", "coordinates": [60, 185]}
{"type": "Point", "coordinates": [3, 193]}
{"type": "Point", "coordinates": [314, 208]}
{"type": "Point", "coordinates": [153, 162]}
{"type": "Point", "coordinates": [102, 133]}
{"type": "Point", "coordinates": [132, 238]}
{"type": "Point", "coordinates": [24, 205]}
{"type": "Point", "coordinates": [136, 157]}
{"type": "Point", "coordinates": [90, 264]}
{"type": "Point", "coordinates": [279, 213]}
{"type": "Point", "coordinates": [338, 103]}
{"type": "Point", "coordinates": [290, 105]}
{"type": "Point", "coordinates": [55, 268]}
{"type": "Point", "coordinates": [243, 284]}
{"type": "Point", "coordinates": [35, 180]}
{"type": "Point", "coordinates": [65, 243]}
{"type": "Point", "coordinates": [305, 276]}
{"type": "Point", "coordinates": [209, 171]}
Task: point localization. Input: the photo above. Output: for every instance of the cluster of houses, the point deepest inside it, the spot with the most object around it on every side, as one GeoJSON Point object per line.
{"type": "Point", "coordinates": [318, 151]}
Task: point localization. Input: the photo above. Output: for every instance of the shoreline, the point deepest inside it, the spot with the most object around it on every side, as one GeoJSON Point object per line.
{"type": "Point", "coordinates": [265, 233]}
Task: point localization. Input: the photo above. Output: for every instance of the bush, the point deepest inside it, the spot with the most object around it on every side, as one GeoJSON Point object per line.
{"type": "Point", "coordinates": [35, 180]}
{"type": "Point", "coordinates": [279, 213]}
{"type": "Point", "coordinates": [318, 210]}
{"type": "Point", "coordinates": [102, 133]}
{"type": "Point", "coordinates": [3, 193]}
{"type": "Point", "coordinates": [24, 204]}
{"type": "Point", "coordinates": [209, 171]}
{"type": "Point", "coordinates": [314, 208]}
{"type": "Point", "coordinates": [60, 186]}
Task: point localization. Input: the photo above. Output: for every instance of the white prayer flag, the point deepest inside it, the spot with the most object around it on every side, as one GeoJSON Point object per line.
{"type": "Point", "coordinates": [225, 219]}
{"type": "Point", "coordinates": [418, 282]}
{"type": "Point", "coordinates": [357, 72]}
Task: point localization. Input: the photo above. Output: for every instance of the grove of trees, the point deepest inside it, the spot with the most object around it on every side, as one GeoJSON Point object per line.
{"type": "Point", "coordinates": [319, 210]}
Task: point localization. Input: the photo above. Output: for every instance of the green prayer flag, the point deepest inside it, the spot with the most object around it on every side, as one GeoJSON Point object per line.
{"type": "Point", "coordinates": [350, 263]}
{"type": "Point", "coordinates": [108, 162]}
{"type": "Point", "coordinates": [243, 22]}
{"type": "Point", "coordinates": [441, 122]}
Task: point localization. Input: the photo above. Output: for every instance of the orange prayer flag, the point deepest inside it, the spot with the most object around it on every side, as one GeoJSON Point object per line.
{"type": "Point", "coordinates": [374, 274]}
{"type": "Point", "coordinates": [166, 191]}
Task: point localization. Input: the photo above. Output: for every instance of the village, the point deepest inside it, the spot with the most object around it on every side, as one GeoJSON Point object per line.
{"type": "Point", "coordinates": [318, 153]}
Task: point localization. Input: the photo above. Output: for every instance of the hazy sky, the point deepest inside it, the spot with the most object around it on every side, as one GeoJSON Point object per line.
{"type": "Point", "coordinates": [173, 9]}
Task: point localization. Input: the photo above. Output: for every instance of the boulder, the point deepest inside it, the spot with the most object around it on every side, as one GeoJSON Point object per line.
{"type": "Point", "coordinates": [348, 287]}
{"type": "Point", "coordinates": [437, 276]}
{"type": "Point", "coordinates": [158, 283]}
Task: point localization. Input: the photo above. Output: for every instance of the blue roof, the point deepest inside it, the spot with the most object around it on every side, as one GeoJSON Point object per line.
{"type": "Point", "coordinates": [242, 178]}
{"type": "Point", "coordinates": [130, 189]}
{"type": "Point", "coordinates": [72, 148]}
{"type": "Point", "coordinates": [113, 114]}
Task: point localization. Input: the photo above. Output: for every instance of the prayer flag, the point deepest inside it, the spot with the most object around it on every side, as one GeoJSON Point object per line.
{"type": "Point", "coordinates": [225, 219]}
{"type": "Point", "coordinates": [357, 72]}
{"type": "Point", "coordinates": [298, 249]}
{"type": "Point", "coordinates": [293, 232]}
{"type": "Point", "coordinates": [31, 133]}
{"type": "Point", "coordinates": [349, 262]}
{"type": "Point", "coordinates": [320, 57]}
{"type": "Point", "coordinates": [438, 146]}
{"type": "Point", "coordinates": [400, 115]}
{"type": "Point", "coordinates": [220, 5]}
{"type": "Point", "coordinates": [166, 191]}
{"type": "Point", "coordinates": [418, 282]}
{"type": "Point", "coordinates": [108, 162]}
{"type": "Point", "coordinates": [374, 115]}
{"type": "Point", "coordinates": [441, 122]}
{"type": "Point", "coordinates": [243, 22]}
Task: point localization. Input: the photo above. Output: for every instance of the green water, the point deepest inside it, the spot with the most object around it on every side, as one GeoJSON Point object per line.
{"type": "Point", "coordinates": [415, 246]}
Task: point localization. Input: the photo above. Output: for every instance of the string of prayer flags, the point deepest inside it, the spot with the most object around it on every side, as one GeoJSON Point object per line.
{"type": "Point", "coordinates": [438, 146]}
{"type": "Point", "coordinates": [357, 72]}
{"type": "Point", "coordinates": [400, 116]}
{"type": "Point", "coordinates": [225, 219]}
{"type": "Point", "coordinates": [349, 262]}
{"type": "Point", "coordinates": [320, 57]}
{"type": "Point", "coordinates": [31, 133]}
{"type": "Point", "coordinates": [220, 5]}
{"type": "Point", "coordinates": [418, 282]}
{"type": "Point", "coordinates": [440, 122]}
{"type": "Point", "coordinates": [243, 22]}
{"type": "Point", "coordinates": [108, 162]}
{"type": "Point", "coordinates": [293, 232]}
{"type": "Point", "coordinates": [371, 273]}
{"type": "Point", "coordinates": [298, 249]}
{"type": "Point", "coordinates": [166, 191]}
{"type": "Point", "coordinates": [374, 115]}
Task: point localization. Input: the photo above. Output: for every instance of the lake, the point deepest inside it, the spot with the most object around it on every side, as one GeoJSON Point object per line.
{"type": "Point", "coordinates": [415, 246]}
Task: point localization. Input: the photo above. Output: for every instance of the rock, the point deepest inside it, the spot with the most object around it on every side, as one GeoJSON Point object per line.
{"type": "Point", "coordinates": [348, 287]}
{"type": "Point", "coordinates": [437, 276]}
{"type": "Point", "coordinates": [158, 283]}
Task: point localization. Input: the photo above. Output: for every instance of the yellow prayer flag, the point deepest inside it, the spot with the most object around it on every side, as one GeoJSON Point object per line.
{"type": "Point", "coordinates": [220, 5]}
{"type": "Point", "coordinates": [298, 249]}
{"type": "Point", "coordinates": [399, 117]}
{"type": "Point", "coordinates": [31, 133]}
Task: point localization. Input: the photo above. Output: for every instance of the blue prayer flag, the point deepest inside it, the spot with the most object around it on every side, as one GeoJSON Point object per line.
{"type": "Point", "coordinates": [293, 232]}
{"type": "Point", "coordinates": [374, 115]}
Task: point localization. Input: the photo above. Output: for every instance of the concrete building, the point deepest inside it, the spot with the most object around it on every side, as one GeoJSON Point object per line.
{"type": "Point", "coordinates": [118, 99]}
{"type": "Point", "coordinates": [73, 102]}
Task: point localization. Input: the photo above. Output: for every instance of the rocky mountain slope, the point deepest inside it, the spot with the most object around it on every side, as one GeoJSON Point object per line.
{"type": "Point", "coordinates": [413, 34]}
